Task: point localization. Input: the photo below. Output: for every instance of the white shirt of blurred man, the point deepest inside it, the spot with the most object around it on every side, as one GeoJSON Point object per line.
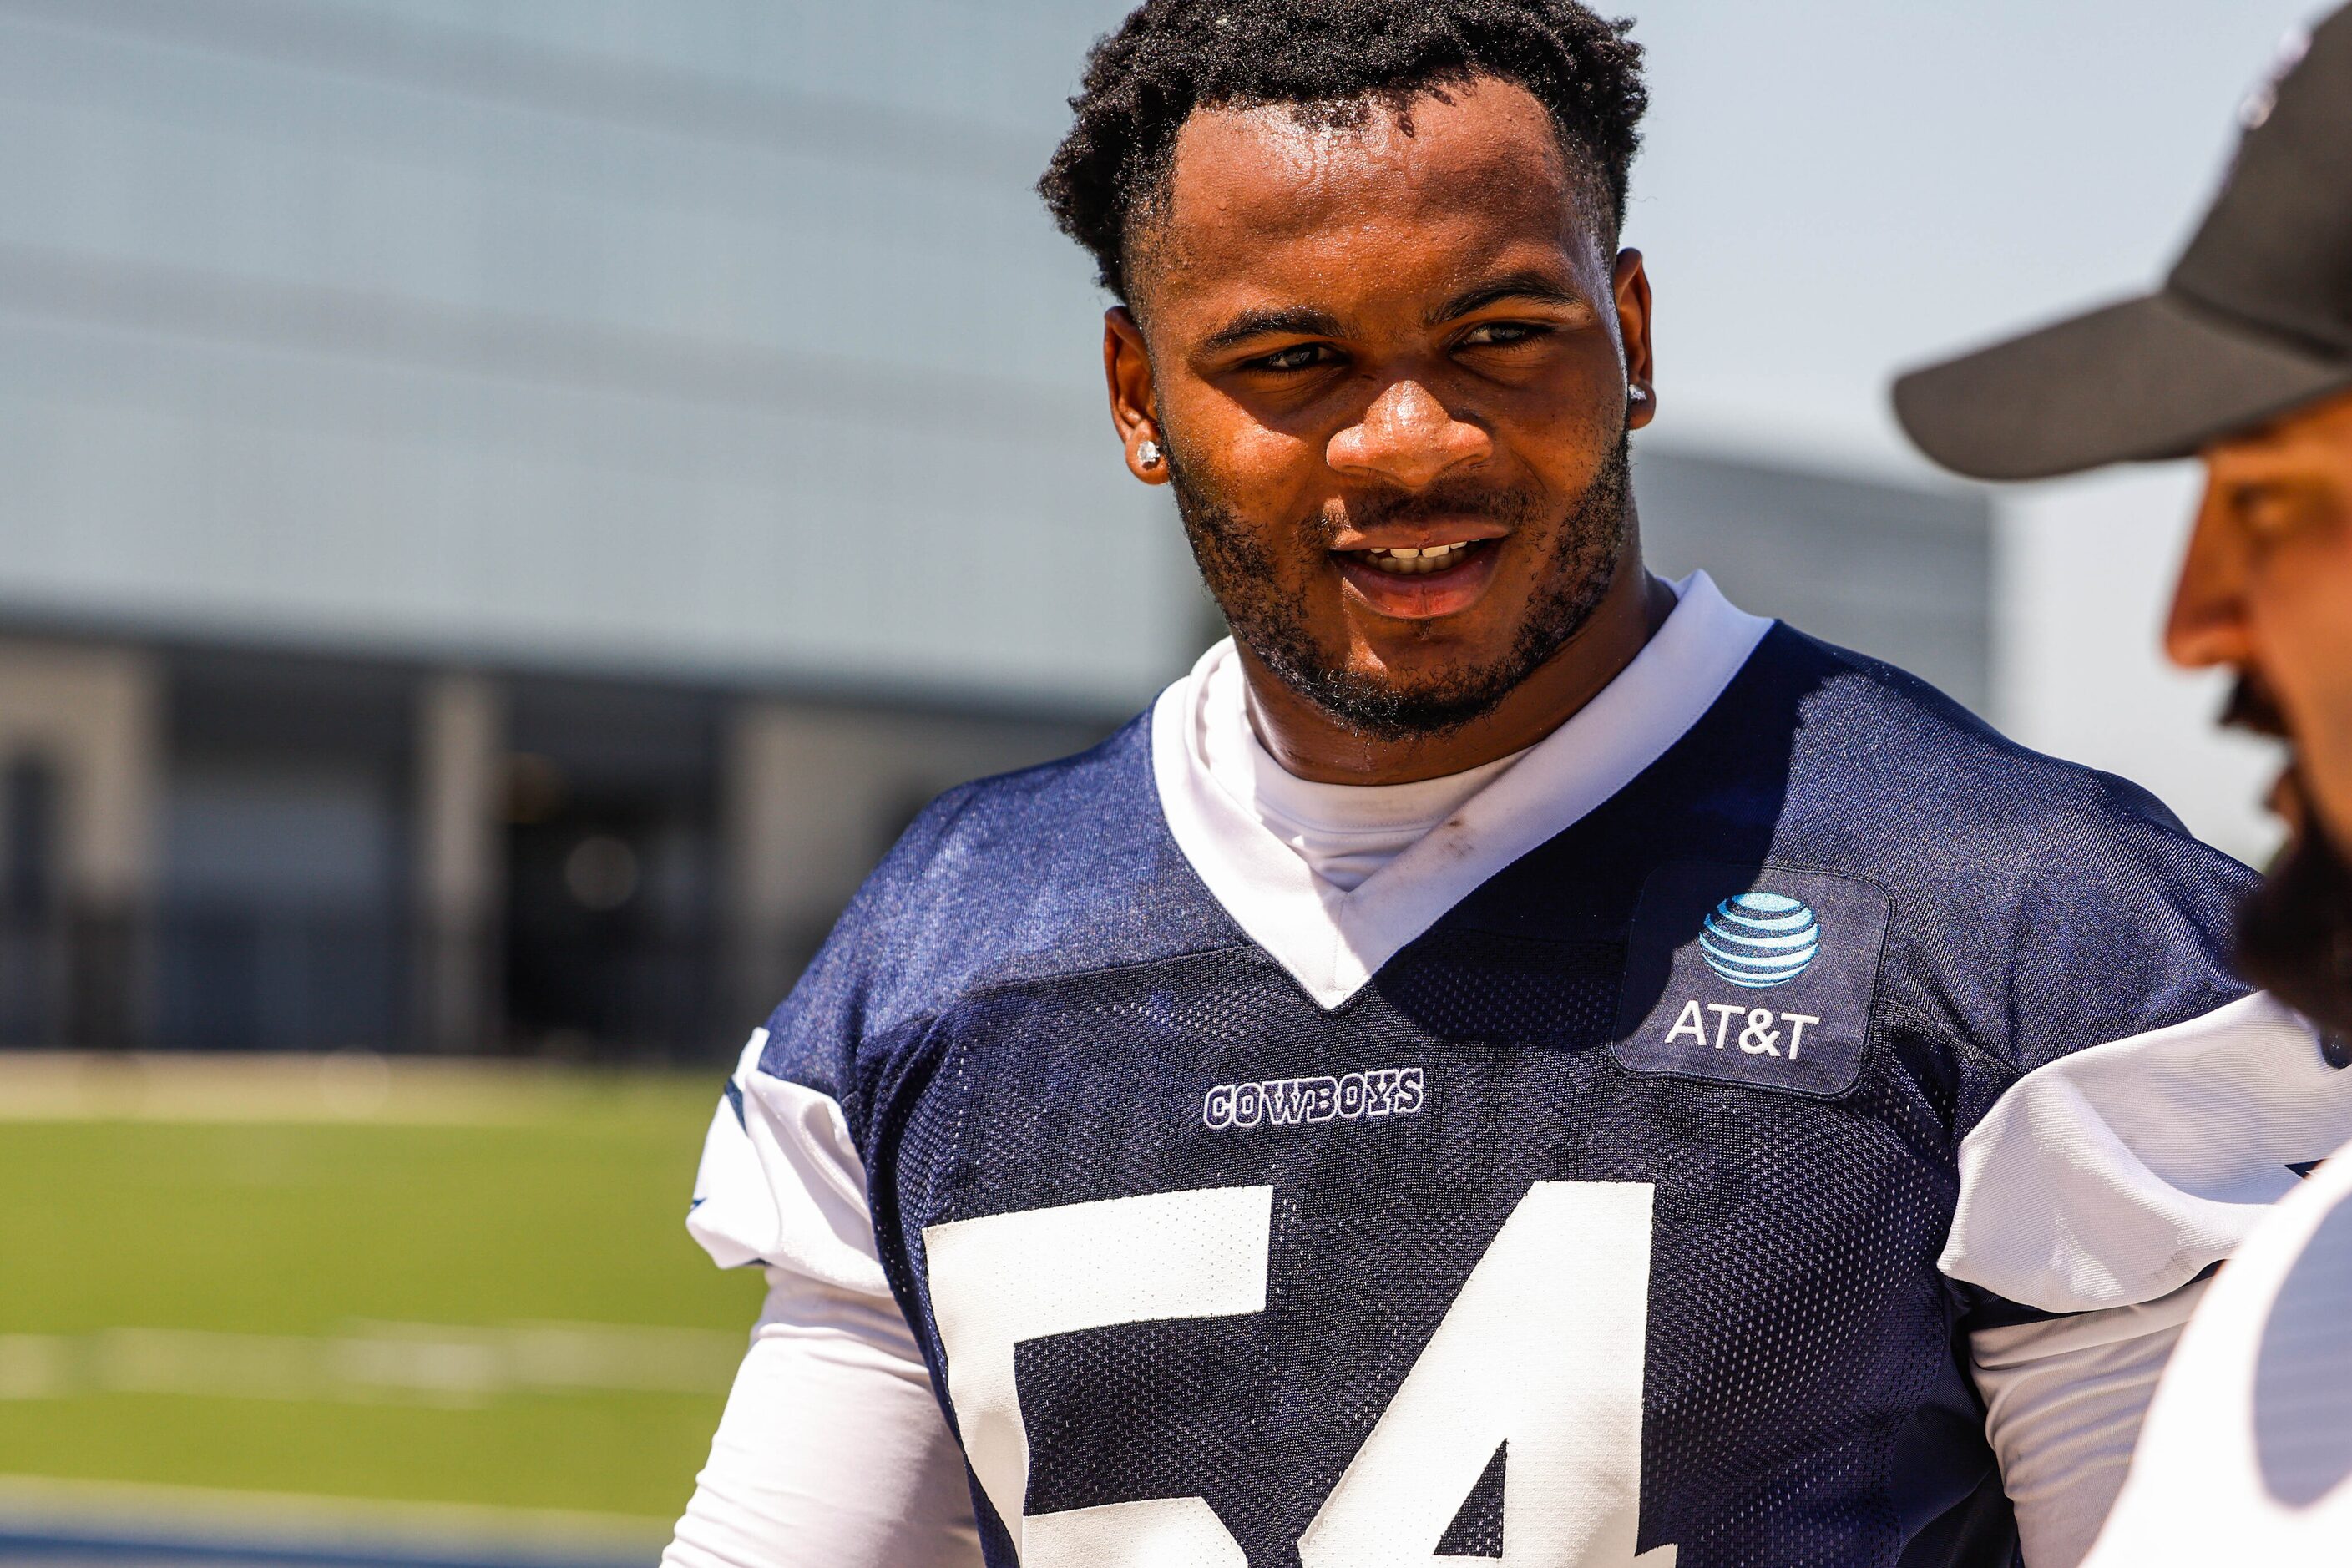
{"type": "Point", "coordinates": [2244, 359]}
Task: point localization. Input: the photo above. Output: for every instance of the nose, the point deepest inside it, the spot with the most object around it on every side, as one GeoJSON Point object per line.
{"type": "Point", "coordinates": [2207, 624]}
{"type": "Point", "coordinates": [1407, 437]}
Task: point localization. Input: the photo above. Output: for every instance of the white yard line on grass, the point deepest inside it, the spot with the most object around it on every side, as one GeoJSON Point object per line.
{"type": "Point", "coordinates": [372, 1362]}
{"type": "Point", "coordinates": [340, 1086]}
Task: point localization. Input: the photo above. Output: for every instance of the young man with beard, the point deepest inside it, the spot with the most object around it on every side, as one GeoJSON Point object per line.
{"type": "Point", "coordinates": [1509, 1057]}
{"type": "Point", "coordinates": [2245, 360]}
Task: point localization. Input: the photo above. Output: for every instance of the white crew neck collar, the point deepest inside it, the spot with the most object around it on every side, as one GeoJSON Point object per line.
{"type": "Point", "coordinates": [1346, 832]}
{"type": "Point", "coordinates": [1333, 942]}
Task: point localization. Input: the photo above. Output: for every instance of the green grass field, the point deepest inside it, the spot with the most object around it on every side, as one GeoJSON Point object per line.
{"type": "Point", "coordinates": [474, 1289]}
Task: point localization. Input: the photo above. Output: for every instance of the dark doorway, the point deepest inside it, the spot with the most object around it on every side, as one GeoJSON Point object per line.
{"type": "Point", "coordinates": [286, 840]}
{"type": "Point", "coordinates": [31, 934]}
{"type": "Point", "coordinates": [609, 940]}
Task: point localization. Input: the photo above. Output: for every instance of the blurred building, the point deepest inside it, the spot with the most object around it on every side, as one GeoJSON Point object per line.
{"type": "Point", "coordinates": [506, 510]}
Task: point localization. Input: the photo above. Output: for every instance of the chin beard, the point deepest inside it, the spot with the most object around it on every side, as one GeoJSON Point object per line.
{"type": "Point", "coordinates": [1243, 577]}
{"type": "Point", "coordinates": [2295, 935]}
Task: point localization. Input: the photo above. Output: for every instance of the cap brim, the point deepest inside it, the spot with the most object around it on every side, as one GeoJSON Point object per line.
{"type": "Point", "coordinates": [2148, 379]}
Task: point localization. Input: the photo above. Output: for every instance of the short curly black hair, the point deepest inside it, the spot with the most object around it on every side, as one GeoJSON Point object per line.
{"type": "Point", "coordinates": [1171, 57]}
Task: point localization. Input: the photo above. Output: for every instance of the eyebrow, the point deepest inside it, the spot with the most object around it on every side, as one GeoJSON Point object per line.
{"type": "Point", "coordinates": [1306, 322]}
{"type": "Point", "coordinates": [1532, 286]}
{"type": "Point", "coordinates": [1297, 321]}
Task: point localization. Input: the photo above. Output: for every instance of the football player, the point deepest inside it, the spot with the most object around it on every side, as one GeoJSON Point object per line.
{"type": "Point", "coordinates": [1510, 1057]}
{"type": "Point", "coordinates": [2245, 359]}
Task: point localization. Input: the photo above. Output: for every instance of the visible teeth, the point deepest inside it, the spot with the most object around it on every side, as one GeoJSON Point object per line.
{"type": "Point", "coordinates": [1404, 561]}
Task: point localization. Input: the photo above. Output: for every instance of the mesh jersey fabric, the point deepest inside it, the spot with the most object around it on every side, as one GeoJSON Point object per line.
{"type": "Point", "coordinates": [1021, 1010]}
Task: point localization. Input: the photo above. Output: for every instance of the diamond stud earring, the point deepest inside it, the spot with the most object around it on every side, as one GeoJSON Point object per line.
{"type": "Point", "coordinates": [1148, 456]}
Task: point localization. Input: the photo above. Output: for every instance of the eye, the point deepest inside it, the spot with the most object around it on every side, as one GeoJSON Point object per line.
{"type": "Point", "coordinates": [1502, 334]}
{"type": "Point", "coordinates": [2269, 510]}
{"type": "Point", "coordinates": [1299, 356]}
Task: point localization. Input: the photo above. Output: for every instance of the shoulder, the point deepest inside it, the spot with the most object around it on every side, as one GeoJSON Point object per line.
{"type": "Point", "coordinates": [2047, 906]}
{"type": "Point", "coordinates": [1884, 748]}
{"type": "Point", "coordinates": [2057, 965]}
{"type": "Point", "coordinates": [1056, 868]}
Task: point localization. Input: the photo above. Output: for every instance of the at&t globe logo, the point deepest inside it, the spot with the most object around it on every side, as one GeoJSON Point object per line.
{"type": "Point", "coordinates": [1760, 940]}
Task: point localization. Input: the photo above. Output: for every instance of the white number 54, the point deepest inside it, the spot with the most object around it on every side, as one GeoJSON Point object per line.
{"type": "Point", "coordinates": [1543, 1350]}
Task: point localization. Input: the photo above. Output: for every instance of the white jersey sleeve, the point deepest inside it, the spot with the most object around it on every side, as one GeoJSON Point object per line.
{"type": "Point", "coordinates": [833, 1448]}
{"type": "Point", "coordinates": [2118, 1174]}
{"type": "Point", "coordinates": [782, 1183]}
{"type": "Point", "coordinates": [2099, 1187]}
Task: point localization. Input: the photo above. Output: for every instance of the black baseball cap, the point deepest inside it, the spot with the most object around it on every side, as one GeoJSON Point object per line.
{"type": "Point", "coordinates": [2255, 321]}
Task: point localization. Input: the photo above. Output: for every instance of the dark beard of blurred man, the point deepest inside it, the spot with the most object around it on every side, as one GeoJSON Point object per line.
{"type": "Point", "coordinates": [2295, 934]}
{"type": "Point", "coordinates": [1588, 544]}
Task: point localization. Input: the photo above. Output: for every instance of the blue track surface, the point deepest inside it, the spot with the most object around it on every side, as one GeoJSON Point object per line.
{"type": "Point", "coordinates": [23, 1548]}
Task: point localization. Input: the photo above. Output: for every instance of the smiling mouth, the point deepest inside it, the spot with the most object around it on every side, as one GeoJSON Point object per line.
{"type": "Point", "coordinates": [1405, 560]}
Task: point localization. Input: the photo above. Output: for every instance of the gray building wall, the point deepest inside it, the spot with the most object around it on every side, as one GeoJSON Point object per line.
{"type": "Point", "coordinates": [723, 340]}
{"type": "Point", "coordinates": [1900, 571]}
{"type": "Point", "coordinates": [506, 508]}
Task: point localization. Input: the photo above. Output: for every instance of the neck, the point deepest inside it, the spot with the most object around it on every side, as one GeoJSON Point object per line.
{"type": "Point", "coordinates": [1311, 744]}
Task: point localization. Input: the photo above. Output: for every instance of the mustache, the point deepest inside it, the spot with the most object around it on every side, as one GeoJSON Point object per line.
{"type": "Point", "coordinates": [1509, 505]}
{"type": "Point", "coordinates": [2295, 936]}
{"type": "Point", "coordinates": [2253, 709]}
{"type": "Point", "coordinates": [1505, 504]}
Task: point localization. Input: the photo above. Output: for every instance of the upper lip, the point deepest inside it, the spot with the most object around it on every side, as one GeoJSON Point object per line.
{"type": "Point", "coordinates": [1418, 537]}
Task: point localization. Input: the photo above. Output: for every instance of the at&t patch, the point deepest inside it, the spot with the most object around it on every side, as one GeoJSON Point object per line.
{"type": "Point", "coordinates": [1752, 975]}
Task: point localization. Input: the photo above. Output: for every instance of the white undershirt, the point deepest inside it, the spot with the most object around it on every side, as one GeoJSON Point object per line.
{"type": "Point", "coordinates": [1344, 832]}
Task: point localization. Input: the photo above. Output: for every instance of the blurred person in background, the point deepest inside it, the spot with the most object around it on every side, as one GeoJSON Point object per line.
{"type": "Point", "coordinates": [1509, 1053]}
{"type": "Point", "coordinates": [2244, 359]}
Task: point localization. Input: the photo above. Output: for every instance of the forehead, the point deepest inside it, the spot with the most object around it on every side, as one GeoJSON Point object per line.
{"type": "Point", "coordinates": [1390, 195]}
{"type": "Point", "coordinates": [2316, 436]}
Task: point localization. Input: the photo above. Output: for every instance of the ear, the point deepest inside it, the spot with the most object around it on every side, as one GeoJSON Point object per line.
{"type": "Point", "coordinates": [1134, 406]}
{"type": "Point", "coordinates": [1633, 290]}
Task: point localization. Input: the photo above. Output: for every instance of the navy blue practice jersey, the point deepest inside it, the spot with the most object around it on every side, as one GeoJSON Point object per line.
{"type": "Point", "coordinates": [1600, 1225]}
